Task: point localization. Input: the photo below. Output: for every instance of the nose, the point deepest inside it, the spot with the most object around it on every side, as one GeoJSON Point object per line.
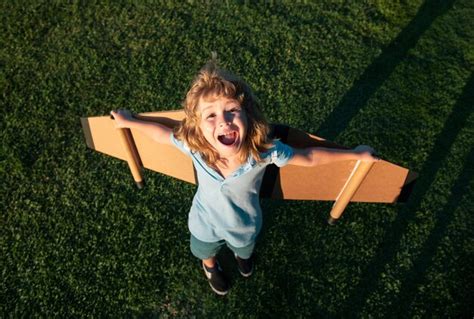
{"type": "Point", "coordinates": [225, 119]}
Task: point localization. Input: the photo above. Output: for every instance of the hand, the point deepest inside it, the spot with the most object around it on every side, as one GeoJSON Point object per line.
{"type": "Point", "coordinates": [366, 153]}
{"type": "Point", "coordinates": [121, 118]}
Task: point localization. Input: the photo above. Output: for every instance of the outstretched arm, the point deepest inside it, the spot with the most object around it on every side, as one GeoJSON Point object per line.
{"type": "Point", "coordinates": [157, 132]}
{"type": "Point", "coordinates": [313, 156]}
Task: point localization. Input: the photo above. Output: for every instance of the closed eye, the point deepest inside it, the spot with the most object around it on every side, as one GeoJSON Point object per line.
{"type": "Point", "coordinates": [211, 115]}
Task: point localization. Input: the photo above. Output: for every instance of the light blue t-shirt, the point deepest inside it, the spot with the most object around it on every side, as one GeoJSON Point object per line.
{"type": "Point", "coordinates": [229, 208]}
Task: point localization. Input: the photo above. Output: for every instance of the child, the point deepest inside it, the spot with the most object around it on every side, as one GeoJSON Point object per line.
{"type": "Point", "coordinates": [227, 138]}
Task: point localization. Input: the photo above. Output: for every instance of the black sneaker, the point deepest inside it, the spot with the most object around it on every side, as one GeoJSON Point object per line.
{"type": "Point", "coordinates": [245, 266]}
{"type": "Point", "coordinates": [216, 278]}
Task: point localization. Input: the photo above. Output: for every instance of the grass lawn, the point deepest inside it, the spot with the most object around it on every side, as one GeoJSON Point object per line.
{"type": "Point", "coordinates": [78, 239]}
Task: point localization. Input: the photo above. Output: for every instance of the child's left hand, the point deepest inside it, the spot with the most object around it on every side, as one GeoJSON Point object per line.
{"type": "Point", "coordinates": [366, 153]}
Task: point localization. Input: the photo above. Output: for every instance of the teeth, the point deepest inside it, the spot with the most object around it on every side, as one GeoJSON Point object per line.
{"type": "Point", "coordinates": [227, 138]}
{"type": "Point", "coordinates": [227, 134]}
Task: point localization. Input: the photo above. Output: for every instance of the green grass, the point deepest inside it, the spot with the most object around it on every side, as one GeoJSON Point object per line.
{"type": "Point", "coordinates": [78, 239]}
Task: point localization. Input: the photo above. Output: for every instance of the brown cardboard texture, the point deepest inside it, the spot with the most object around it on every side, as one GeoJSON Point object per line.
{"type": "Point", "coordinates": [382, 182]}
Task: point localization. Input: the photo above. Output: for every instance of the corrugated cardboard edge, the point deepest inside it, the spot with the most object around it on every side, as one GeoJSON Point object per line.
{"type": "Point", "coordinates": [87, 132]}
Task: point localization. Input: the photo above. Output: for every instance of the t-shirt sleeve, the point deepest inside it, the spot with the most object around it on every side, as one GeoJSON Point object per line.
{"type": "Point", "coordinates": [180, 145]}
{"type": "Point", "coordinates": [280, 153]}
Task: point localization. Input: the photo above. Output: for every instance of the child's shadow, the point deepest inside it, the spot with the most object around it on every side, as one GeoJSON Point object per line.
{"type": "Point", "coordinates": [288, 263]}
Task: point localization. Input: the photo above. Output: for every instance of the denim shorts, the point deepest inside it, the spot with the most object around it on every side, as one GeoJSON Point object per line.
{"type": "Point", "coordinates": [204, 250]}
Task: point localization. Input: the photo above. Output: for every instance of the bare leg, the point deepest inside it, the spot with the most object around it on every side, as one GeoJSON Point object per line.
{"type": "Point", "coordinates": [210, 262]}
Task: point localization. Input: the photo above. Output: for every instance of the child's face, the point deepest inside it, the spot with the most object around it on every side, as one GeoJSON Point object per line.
{"type": "Point", "coordinates": [223, 123]}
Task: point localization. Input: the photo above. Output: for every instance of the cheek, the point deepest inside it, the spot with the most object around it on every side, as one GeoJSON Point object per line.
{"type": "Point", "coordinates": [206, 130]}
{"type": "Point", "coordinates": [205, 127]}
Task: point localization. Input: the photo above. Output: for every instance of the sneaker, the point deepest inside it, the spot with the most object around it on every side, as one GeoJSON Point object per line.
{"type": "Point", "coordinates": [216, 278]}
{"type": "Point", "coordinates": [245, 266]}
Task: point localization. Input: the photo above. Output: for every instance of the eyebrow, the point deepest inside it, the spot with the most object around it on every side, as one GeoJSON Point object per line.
{"type": "Point", "coordinates": [207, 107]}
{"type": "Point", "coordinates": [212, 104]}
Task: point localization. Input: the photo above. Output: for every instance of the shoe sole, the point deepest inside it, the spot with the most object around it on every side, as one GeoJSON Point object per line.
{"type": "Point", "coordinates": [246, 275]}
{"type": "Point", "coordinates": [220, 293]}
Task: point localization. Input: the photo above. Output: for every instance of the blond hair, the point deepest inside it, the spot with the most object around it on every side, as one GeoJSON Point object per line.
{"type": "Point", "coordinates": [212, 81]}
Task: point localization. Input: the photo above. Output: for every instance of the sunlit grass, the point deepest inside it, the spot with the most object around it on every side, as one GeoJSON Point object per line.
{"type": "Point", "coordinates": [77, 237]}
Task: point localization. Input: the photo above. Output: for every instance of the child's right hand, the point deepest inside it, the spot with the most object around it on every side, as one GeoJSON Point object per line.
{"type": "Point", "coordinates": [122, 117]}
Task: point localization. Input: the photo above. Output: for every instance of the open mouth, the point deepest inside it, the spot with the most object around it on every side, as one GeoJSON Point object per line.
{"type": "Point", "coordinates": [228, 139]}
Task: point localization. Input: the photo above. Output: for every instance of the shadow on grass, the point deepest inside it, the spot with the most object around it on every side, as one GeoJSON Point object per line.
{"type": "Point", "coordinates": [417, 275]}
{"type": "Point", "coordinates": [356, 98]}
{"type": "Point", "coordinates": [287, 262]}
{"type": "Point", "coordinates": [390, 246]}
{"type": "Point", "coordinates": [381, 68]}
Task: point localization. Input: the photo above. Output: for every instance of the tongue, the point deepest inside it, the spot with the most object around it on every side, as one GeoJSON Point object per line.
{"type": "Point", "coordinates": [227, 139]}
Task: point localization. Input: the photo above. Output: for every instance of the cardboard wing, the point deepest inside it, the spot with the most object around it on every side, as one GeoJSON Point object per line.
{"type": "Point", "coordinates": [382, 182]}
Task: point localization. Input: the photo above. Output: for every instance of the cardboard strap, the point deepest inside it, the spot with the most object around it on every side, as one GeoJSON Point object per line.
{"type": "Point", "coordinates": [131, 154]}
{"type": "Point", "coordinates": [360, 171]}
